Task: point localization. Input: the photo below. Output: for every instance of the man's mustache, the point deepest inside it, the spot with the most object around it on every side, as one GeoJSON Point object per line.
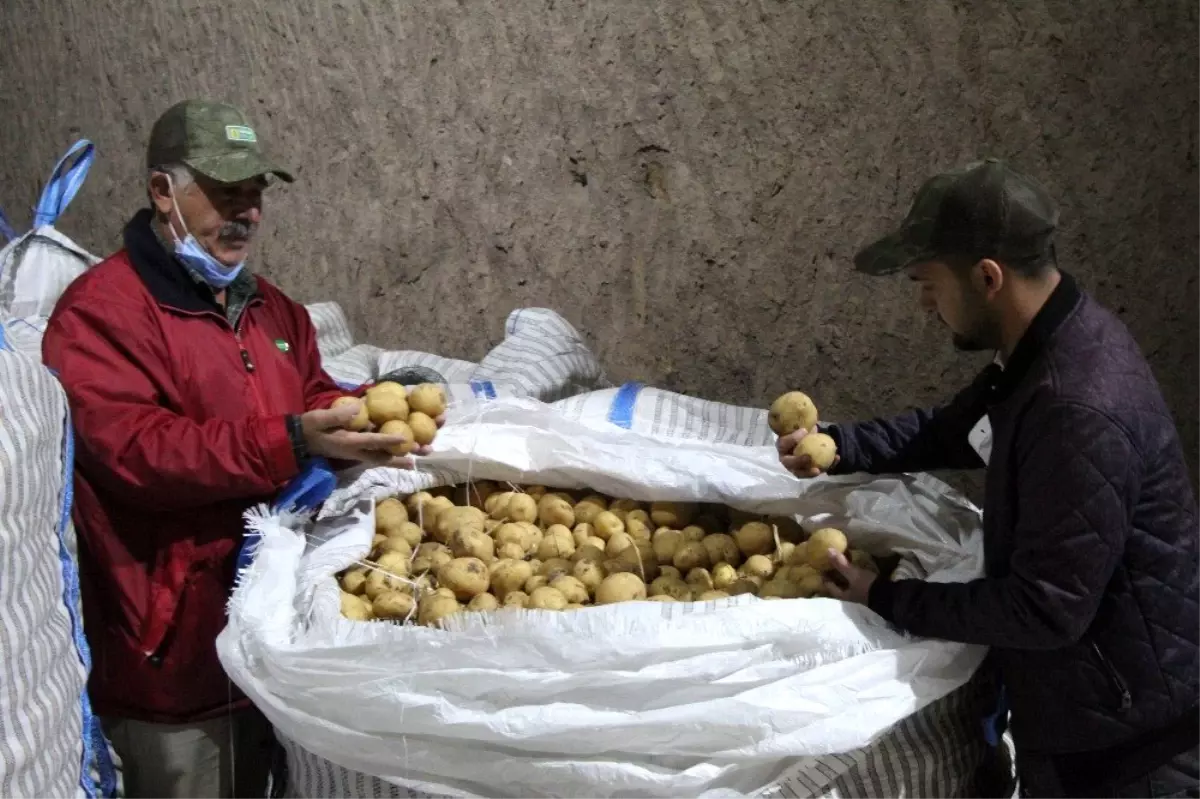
{"type": "Point", "coordinates": [236, 231]}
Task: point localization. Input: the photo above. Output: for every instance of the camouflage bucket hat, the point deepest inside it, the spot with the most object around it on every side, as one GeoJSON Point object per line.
{"type": "Point", "coordinates": [214, 139]}
{"type": "Point", "coordinates": [984, 210]}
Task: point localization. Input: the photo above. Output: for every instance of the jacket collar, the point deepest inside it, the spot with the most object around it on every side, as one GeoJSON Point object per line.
{"type": "Point", "coordinates": [1058, 307]}
{"type": "Point", "coordinates": [166, 279]}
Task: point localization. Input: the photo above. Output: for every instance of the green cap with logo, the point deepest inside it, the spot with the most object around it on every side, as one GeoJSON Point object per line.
{"type": "Point", "coordinates": [213, 139]}
{"type": "Point", "coordinates": [984, 210]}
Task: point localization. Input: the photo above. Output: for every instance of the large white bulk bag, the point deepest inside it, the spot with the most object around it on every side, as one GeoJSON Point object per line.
{"type": "Point", "coordinates": [734, 697]}
{"type": "Point", "coordinates": [542, 356]}
{"type": "Point", "coordinates": [36, 268]}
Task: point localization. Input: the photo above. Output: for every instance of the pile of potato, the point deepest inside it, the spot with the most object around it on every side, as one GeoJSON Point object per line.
{"type": "Point", "coordinates": [479, 547]}
{"type": "Point", "coordinates": [392, 409]}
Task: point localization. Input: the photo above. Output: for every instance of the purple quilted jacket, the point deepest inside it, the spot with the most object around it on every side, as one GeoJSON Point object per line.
{"type": "Point", "coordinates": [1090, 600]}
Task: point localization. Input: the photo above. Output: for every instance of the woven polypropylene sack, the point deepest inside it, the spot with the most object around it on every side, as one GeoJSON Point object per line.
{"type": "Point", "coordinates": [50, 743]}
{"type": "Point", "coordinates": [735, 696]}
{"type": "Point", "coordinates": [542, 356]}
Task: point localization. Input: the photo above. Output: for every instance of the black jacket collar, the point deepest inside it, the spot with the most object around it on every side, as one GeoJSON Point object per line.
{"type": "Point", "coordinates": [166, 279]}
{"type": "Point", "coordinates": [1059, 306]}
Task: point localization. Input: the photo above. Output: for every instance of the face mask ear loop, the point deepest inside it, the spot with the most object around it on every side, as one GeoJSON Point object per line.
{"type": "Point", "coordinates": [178, 213]}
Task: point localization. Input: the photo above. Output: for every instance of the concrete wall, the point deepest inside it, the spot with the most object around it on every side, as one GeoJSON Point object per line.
{"type": "Point", "coordinates": [685, 180]}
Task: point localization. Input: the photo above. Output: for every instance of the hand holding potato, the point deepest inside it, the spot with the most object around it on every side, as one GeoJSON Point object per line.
{"type": "Point", "coordinates": [801, 465]}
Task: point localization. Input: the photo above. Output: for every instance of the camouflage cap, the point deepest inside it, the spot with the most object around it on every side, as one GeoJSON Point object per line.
{"type": "Point", "coordinates": [983, 210]}
{"type": "Point", "coordinates": [214, 139]}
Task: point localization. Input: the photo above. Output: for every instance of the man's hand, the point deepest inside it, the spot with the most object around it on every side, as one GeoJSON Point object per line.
{"type": "Point", "coordinates": [857, 581]}
{"type": "Point", "coordinates": [799, 466]}
{"type": "Point", "coordinates": [325, 434]}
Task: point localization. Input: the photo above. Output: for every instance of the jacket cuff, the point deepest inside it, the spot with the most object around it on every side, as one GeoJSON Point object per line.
{"type": "Point", "coordinates": [845, 464]}
{"type": "Point", "coordinates": [881, 598]}
{"type": "Point", "coordinates": [295, 432]}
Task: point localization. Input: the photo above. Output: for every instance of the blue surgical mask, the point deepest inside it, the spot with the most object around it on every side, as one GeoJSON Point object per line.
{"type": "Point", "coordinates": [198, 260]}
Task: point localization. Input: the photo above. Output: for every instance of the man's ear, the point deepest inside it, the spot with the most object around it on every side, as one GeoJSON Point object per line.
{"type": "Point", "coordinates": [991, 275]}
{"type": "Point", "coordinates": [161, 196]}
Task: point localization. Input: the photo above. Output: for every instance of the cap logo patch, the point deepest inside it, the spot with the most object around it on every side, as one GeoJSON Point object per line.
{"type": "Point", "coordinates": [240, 133]}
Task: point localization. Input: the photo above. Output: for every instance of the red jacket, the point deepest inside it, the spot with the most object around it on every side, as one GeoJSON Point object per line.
{"type": "Point", "coordinates": [181, 424]}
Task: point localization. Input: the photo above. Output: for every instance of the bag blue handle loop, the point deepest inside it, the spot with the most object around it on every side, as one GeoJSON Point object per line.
{"type": "Point", "coordinates": [305, 492]}
{"type": "Point", "coordinates": [64, 183]}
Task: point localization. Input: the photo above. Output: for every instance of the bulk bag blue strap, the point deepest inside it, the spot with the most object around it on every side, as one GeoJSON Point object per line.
{"type": "Point", "coordinates": [6, 230]}
{"type": "Point", "coordinates": [64, 183]}
{"type": "Point", "coordinates": [620, 412]}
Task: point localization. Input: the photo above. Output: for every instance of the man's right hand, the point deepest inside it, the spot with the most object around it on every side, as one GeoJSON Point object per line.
{"type": "Point", "coordinates": [801, 466]}
{"type": "Point", "coordinates": [325, 434]}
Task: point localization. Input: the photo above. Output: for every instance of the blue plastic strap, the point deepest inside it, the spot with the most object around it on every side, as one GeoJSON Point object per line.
{"type": "Point", "coordinates": [996, 723]}
{"type": "Point", "coordinates": [483, 389]}
{"type": "Point", "coordinates": [64, 185]}
{"type": "Point", "coordinates": [621, 411]}
{"type": "Point", "coordinates": [6, 229]}
{"type": "Point", "coordinates": [305, 492]}
{"type": "Point", "coordinates": [347, 386]}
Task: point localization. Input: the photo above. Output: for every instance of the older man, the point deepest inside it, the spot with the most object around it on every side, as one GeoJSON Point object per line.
{"type": "Point", "coordinates": [1090, 600]}
{"type": "Point", "coordinates": [196, 390]}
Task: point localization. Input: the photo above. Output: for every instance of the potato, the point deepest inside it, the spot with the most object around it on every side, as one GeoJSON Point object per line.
{"type": "Point", "coordinates": [863, 561]}
{"type": "Point", "coordinates": [430, 557]}
{"type": "Point", "coordinates": [623, 587]}
{"type": "Point", "coordinates": [809, 585]}
{"type": "Point", "coordinates": [380, 581]}
{"type": "Point", "coordinates": [515, 599]}
{"type": "Point", "coordinates": [744, 585]}
{"type": "Point", "coordinates": [385, 406]}
{"type": "Point", "coordinates": [792, 411]}
{"type": "Point", "coordinates": [621, 507]}
{"type": "Point", "coordinates": [496, 504]}
{"type": "Point", "coordinates": [490, 525]}
{"type": "Point", "coordinates": [376, 542]}
{"type": "Point", "coordinates": [672, 514]}
{"type": "Point", "coordinates": [616, 543]}
{"type": "Point", "coordinates": [556, 543]}
{"type": "Point", "coordinates": [693, 533]}
{"type": "Point", "coordinates": [670, 571]}
{"type": "Point", "coordinates": [414, 503]}
{"type": "Point", "coordinates": [534, 583]}
{"type": "Point", "coordinates": [521, 508]}
{"type": "Point", "coordinates": [410, 532]}
{"type": "Point", "coordinates": [784, 552]}
{"type": "Point", "coordinates": [466, 577]}
{"type": "Point", "coordinates": [596, 542]}
{"type": "Point", "coordinates": [389, 515]}
{"type": "Point", "coordinates": [590, 573]}
{"type": "Point", "coordinates": [638, 514]}
{"type": "Point", "coordinates": [396, 545]}
{"type": "Point", "coordinates": [588, 508]}
{"type": "Point", "coordinates": [435, 607]}
{"type": "Point", "coordinates": [536, 491]}
{"type": "Point", "coordinates": [416, 586]}
{"type": "Point", "coordinates": [710, 595]}
{"type": "Point", "coordinates": [818, 546]}
{"type": "Point", "coordinates": [571, 588]}
{"type": "Point", "coordinates": [535, 535]}
{"type": "Point", "coordinates": [474, 494]}
{"type": "Point", "coordinates": [535, 564]}
{"type": "Point", "coordinates": [573, 606]}
{"type": "Point", "coordinates": [724, 575]}
{"type": "Point", "coordinates": [819, 447]}
{"type": "Point", "coordinates": [554, 510]}
{"type": "Point", "coordinates": [393, 562]}
{"type": "Point", "coordinates": [606, 523]}
{"type": "Point", "coordinates": [758, 566]}
{"type": "Point", "coordinates": [700, 580]}
{"type": "Point", "coordinates": [722, 549]}
{"type": "Point", "coordinates": [468, 543]}
{"type": "Point", "coordinates": [361, 420]}
{"type": "Point", "coordinates": [429, 399]}
{"type": "Point", "coordinates": [393, 605]}
{"type": "Point", "coordinates": [589, 552]}
{"type": "Point", "coordinates": [582, 532]}
{"type": "Point", "coordinates": [546, 598]}
{"type": "Point", "coordinates": [481, 602]}
{"type": "Point", "coordinates": [451, 520]}
{"type": "Point", "coordinates": [356, 608]}
{"type": "Point", "coordinates": [554, 567]}
{"type": "Point", "coordinates": [783, 589]}
{"type": "Point", "coordinates": [754, 538]}
{"type": "Point", "coordinates": [690, 556]}
{"type": "Point", "coordinates": [511, 551]}
{"type": "Point", "coordinates": [637, 558]}
{"type": "Point", "coordinates": [664, 598]}
{"type": "Point", "coordinates": [398, 428]}
{"type": "Point", "coordinates": [796, 574]}
{"type": "Point", "coordinates": [673, 587]}
{"type": "Point", "coordinates": [431, 511]}
{"type": "Point", "coordinates": [666, 541]}
{"type": "Point", "coordinates": [424, 429]}
{"type": "Point", "coordinates": [354, 581]}
{"type": "Point", "coordinates": [510, 575]}
{"type": "Point", "coordinates": [637, 529]}
{"type": "Point", "coordinates": [513, 533]}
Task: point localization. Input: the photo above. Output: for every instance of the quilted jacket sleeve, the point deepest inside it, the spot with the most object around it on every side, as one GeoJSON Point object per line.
{"type": "Point", "coordinates": [1077, 480]}
{"type": "Point", "coordinates": [915, 441]}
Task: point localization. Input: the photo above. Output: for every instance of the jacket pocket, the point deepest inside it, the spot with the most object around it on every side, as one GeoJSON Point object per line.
{"type": "Point", "coordinates": [1114, 679]}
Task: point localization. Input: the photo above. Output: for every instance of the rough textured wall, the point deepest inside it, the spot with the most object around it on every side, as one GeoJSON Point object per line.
{"type": "Point", "coordinates": [685, 180]}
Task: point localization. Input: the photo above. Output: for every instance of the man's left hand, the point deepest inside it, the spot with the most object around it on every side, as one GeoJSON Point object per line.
{"type": "Point", "coordinates": [858, 581]}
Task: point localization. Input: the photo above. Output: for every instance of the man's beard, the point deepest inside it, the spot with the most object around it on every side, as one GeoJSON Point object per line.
{"type": "Point", "coordinates": [984, 335]}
